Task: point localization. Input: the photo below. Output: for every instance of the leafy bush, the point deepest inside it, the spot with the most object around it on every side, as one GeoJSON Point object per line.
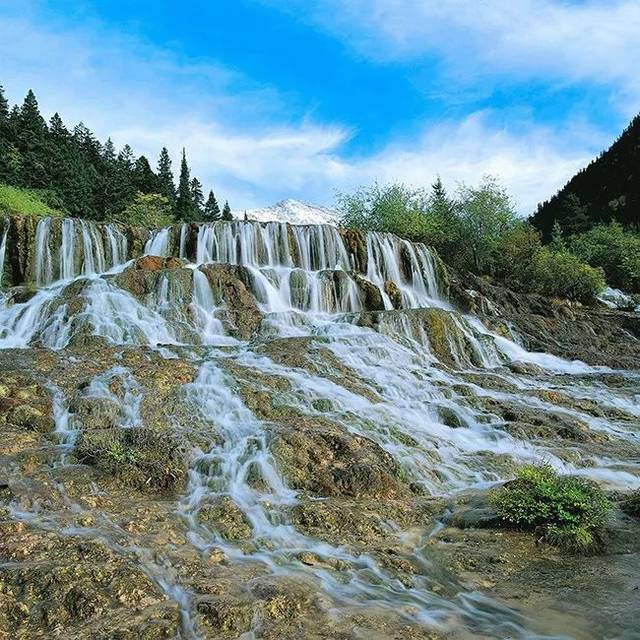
{"type": "Point", "coordinates": [520, 245]}
{"type": "Point", "coordinates": [466, 231]}
{"type": "Point", "coordinates": [485, 215]}
{"type": "Point", "coordinates": [562, 274]}
{"type": "Point", "coordinates": [149, 210]}
{"type": "Point", "coordinates": [568, 512]}
{"type": "Point", "coordinates": [631, 503]}
{"type": "Point", "coordinates": [614, 249]}
{"type": "Point", "coordinates": [27, 201]}
{"type": "Point", "coordinates": [395, 209]}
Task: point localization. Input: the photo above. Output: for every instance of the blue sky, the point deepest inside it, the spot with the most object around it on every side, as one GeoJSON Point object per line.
{"type": "Point", "coordinates": [298, 98]}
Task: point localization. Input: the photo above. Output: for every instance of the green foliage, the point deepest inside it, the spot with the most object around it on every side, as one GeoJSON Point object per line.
{"type": "Point", "coordinates": [211, 211]}
{"type": "Point", "coordinates": [137, 457]}
{"type": "Point", "coordinates": [567, 511]}
{"type": "Point", "coordinates": [631, 503]}
{"type": "Point", "coordinates": [395, 209]}
{"type": "Point", "coordinates": [83, 177]}
{"type": "Point", "coordinates": [117, 452]}
{"type": "Point", "coordinates": [166, 186]}
{"type": "Point", "coordinates": [26, 201]}
{"type": "Point", "coordinates": [616, 250]}
{"type": "Point", "coordinates": [226, 212]}
{"type": "Point", "coordinates": [520, 245]}
{"type": "Point", "coordinates": [608, 189]}
{"type": "Point", "coordinates": [562, 274]}
{"type": "Point", "coordinates": [147, 210]}
{"type": "Point", "coordinates": [185, 210]}
{"type": "Point", "coordinates": [197, 198]}
{"type": "Point", "coordinates": [486, 214]}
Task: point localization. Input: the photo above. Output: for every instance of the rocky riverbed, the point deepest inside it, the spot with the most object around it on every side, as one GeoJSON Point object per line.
{"type": "Point", "coordinates": [292, 433]}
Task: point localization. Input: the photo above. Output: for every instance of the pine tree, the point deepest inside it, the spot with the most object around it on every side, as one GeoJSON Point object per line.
{"type": "Point", "coordinates": [145, 180]}
{"type": "Point", "coordinates": [126, 160]}
{"type": "Point", "coordinates": [166, 186]}
{"type": "Point", "coordinates": [211, 209]}
{"type": "Point", "coordinates": [10, 158]}
{"type": "Point", "coordinates": [557, 238]}
{"type": "Point", "coordinates": [226, 212]}
{"type": "Point", "coordinates": [197, 198]}
{"type": "Point", "coordinates": [31, 143]}
{"type": "Point", "coordinates": [4, 107]}
{"type": "Point", "coordinates": [87, 144]}
{"type": "Point", "coordinates": [109, 152]}
{"type": "Point", "coordinates": [30, 118]}
{"type": "Point", "coordinates": [57, 130]}
{"type": "Point", "coordinates": [440, 203]}
{"type": "Point", "coordinates": [184, 205]}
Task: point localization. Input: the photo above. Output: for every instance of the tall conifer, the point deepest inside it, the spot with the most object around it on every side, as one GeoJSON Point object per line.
{"type": "Point", "coordinates": [211, 209]}
{"type": "Point", "coordinates": [184, 204]}
{"type": "Point", "coordinates": [166, 185]}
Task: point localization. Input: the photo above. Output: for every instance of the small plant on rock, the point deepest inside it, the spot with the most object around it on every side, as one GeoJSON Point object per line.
{"type": "Point", "coordinates": [631, 503]}
{"type": "Point", "coordinates": [567, 511]}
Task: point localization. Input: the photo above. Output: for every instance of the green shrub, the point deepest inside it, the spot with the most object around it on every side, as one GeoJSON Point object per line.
{"type": "Point", "coordinates": [149, 210]}
{"type": "Point", "coordinates": [616, 250]}
{"type": "Point", "coordinates": [631, 503]}
{"type": "Point", "coordinates": [568, 512]}
{"type": "Point", "coordinates": [27, 201]}
{"type": "Point", "coordinates": [519, 247]}
{"type": "Point", "coordinates": [562, 274]}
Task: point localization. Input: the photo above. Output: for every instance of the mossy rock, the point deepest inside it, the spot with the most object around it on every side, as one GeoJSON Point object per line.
{"type": "Point", "coordinates": [138, 457]}
{"type": "Point", "coordinates": [224, 515]}
{"type": "Point", "coordinates": [329, 462]}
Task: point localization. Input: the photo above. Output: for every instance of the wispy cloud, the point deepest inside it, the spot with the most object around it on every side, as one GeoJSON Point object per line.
{"type": "Point", "coordinates": [595, 40]}
{"type": "Point", "coordinates": [244, 139]}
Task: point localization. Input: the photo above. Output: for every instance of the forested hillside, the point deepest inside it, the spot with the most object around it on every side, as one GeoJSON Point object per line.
{"type": "Point", "coordinates": [608, 189]}
{"type": "Point", "coordinates": [73, 172]}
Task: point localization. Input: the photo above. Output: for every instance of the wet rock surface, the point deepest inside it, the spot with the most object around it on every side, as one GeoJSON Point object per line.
{"type": "Point", "coordinates": [251, 472]}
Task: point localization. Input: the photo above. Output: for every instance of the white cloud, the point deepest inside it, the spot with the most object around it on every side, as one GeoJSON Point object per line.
{"type": "Point", "coordinates": [532, 162]}
{"type": "Point", "coordinates": [594, 40]}
{"type": "Point", "coordinates": [241, 138]}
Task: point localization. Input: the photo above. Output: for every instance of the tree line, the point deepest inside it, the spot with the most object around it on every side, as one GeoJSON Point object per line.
{"type": "Point", "coordinates": [74, 172]}
{"type": "Point", "coordinates": [607, 190]}
{"type": "Point", "coordinates": [477, 230]}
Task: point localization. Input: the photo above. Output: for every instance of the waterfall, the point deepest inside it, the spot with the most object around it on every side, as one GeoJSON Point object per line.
{"type": "Point", "coordinates": [184, 230]}
{"type": "Point", "coordinates": [417, 388]}
{"type": "Point", "coordinates": [158, 243]}
{"type": "Point", "coordinates": [3, 250]}
{"type": "Point", "coordinates": [117, 244]}
{"type": "Point", "coordinates": [67, 249]}
{"type": "Point", "coordinates": [43, 266]}
{"type": "Point", "coordinates": [71, 247]}
{"type": "Point", "coordinates": [204, 309]}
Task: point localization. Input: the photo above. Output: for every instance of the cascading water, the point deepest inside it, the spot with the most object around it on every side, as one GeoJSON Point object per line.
{"type": "Point", "coordinates": [158, 243]}
{"type": "Point", "coordinates": [67, 248]}
{"type": "Point", "coordinates": [383, 382]}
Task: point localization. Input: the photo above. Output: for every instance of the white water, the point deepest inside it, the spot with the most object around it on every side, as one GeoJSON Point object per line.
{"type": "Point", "coordinates": [158, 243]}
{"type": "Point", "coordinates": [302, 281]}
{"type": "Point", "coordinates": [3, 249]}
{"type": "Point", "coordinates": [68, 248]}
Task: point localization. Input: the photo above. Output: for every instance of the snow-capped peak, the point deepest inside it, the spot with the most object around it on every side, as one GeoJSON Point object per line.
{"type": "Point", "coordinates": [293, 212]}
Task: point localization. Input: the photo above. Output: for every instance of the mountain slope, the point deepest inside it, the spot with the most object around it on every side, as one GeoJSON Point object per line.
{"type": "Point", "coordinates": [609, 188]}
{"type": "Point", "coordinates": [294, 212]}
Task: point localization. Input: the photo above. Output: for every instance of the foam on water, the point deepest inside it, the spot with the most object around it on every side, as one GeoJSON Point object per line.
{"type": "Point", "coordinates": [387, 385]}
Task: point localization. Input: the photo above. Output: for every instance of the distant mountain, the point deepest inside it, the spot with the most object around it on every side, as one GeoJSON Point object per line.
{"type": "Point", "coordinates": [609, 188]}
{"type": "Point", "coordinates": [292, 211]}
